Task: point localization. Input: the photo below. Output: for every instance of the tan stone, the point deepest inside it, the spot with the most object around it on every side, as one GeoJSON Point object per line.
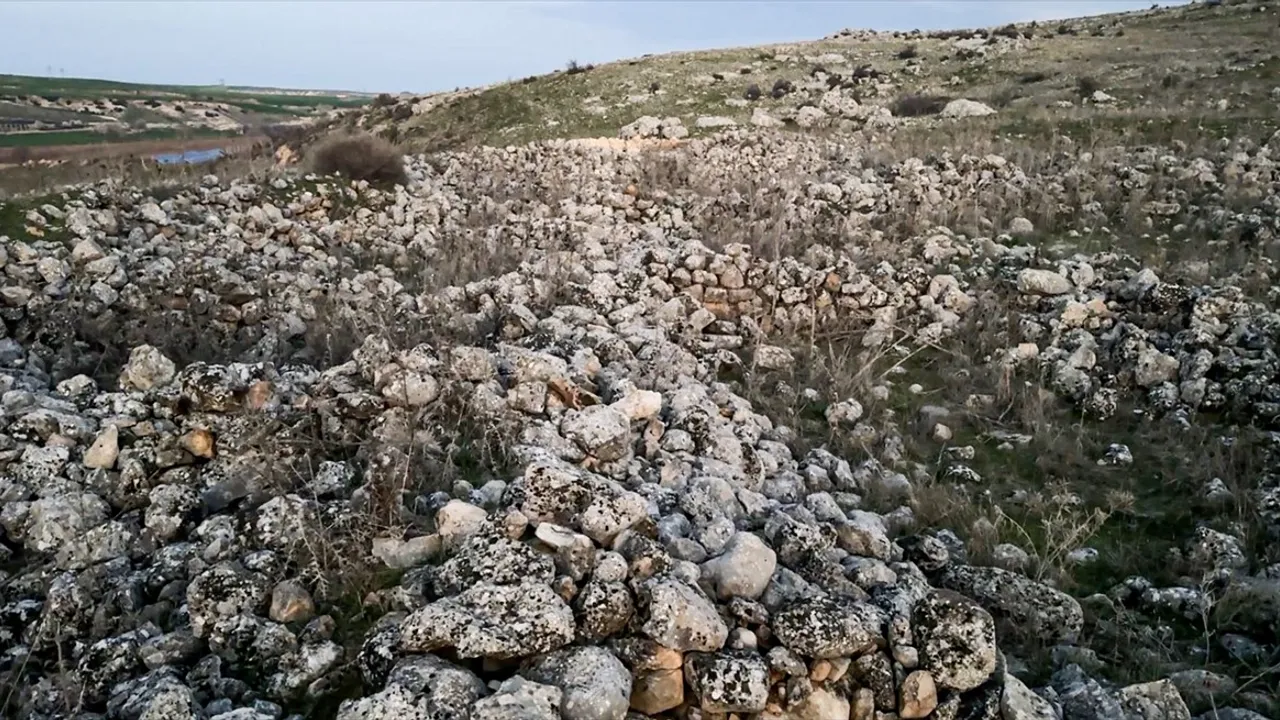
{"type": "Point", "coordinates": [715, 295]}
{"type": "Point", "coordinates": [822, 704]}
{"type": "Point", "coordinates": [102, 454]}
{"type": "Point", "coordinates": [863, 706]}
{"type": "Point", "coordinates": [657, 691]}
{"type": "Point", "coordinates": [732, 278]}
{"type": "Point", "coordinates": [820, 671]}
{"type": "Point", "coordinates": [198, 442]}
{"type": "Point", "coordinates": [290, 602]}
{"type": "Point", "coordinates": [259, 395]}
{"type": "Point", "coordinates": [918, 695]}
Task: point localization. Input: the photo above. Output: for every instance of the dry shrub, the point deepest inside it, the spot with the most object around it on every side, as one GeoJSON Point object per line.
{"type": "Point", "coordinates": [908, 52]}
{"type": "Point", "coordinates": [359, 156]}
{"type": "Point", "coordinates": [919, 104]}
{"type": "Point", "coordinates": [1086, 85]}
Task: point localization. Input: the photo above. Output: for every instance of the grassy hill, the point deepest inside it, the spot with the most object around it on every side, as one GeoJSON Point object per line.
{"type": "Point", "coordinates": [1170, 71]}
{"type": "Point", "coordinates": [38, 112]}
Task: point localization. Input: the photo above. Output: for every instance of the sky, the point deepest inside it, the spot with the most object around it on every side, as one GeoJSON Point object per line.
{"type": "Point", "coordinates": [406, 46]}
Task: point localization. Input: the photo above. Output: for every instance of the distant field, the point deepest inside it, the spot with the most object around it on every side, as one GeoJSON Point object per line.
{"type": "Point", "coordinates": [89, 137]}
{"type": "Point", "coordinates": [269, 100]}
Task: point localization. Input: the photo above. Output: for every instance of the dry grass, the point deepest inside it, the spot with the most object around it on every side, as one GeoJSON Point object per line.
{"type": "Point", "coordinates": [20, 181]}
{"type": "Point", "coordinates": [1049, 496]}
{"type": "Point", "coordinates": [359, 156]}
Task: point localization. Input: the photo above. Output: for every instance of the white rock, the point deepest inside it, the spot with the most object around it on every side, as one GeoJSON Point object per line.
{"type": "Point", "coordinates": [639, 404]}
{"type": "Point", "coordinates": [1034, 281]}
{"type": "Point", "coordinates": [147, 368]}
{"type": "Point", "coordinates": [743, 569]}
{"type": "Point", "coordinates": [457, 521]}
{"type": "Point", "coordinates": [962, 108]}
{"type": "Point", "coordinates": [600, 430]}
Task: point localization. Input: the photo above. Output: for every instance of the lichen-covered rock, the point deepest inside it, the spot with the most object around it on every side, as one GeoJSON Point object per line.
{"type": "Point", "coordinates": [600, 430]}
{"type": "Point", "coordinates": [147, 369]}
{"type": "Point", "coordinates": [489, 557]}
{"type": "Point", "coordinates": [829, 627]}
{"type": "Point", "coordinates": [679, 616]}
{"type": "Point", "coordinates": [1158, 700]}
{"type": "Point", "coordinates": [603, 609]}
{"type": "Point", "coordinates": [447, 691]}
{"type": "Point", "coordinates": [1018, 702]}
{"type": "Point", "coordinates": [1083, 697]}
{"type": "Point", "coordinates": [222, 591]}
{"type": "Point", "coordinates": [1033, 607]}
{"type": "Point", "coordinates": [733, 681]}
{"type": "Point", "coordinates": [492, 621]}
{"type": "Point", "coordinates": [956, 639]}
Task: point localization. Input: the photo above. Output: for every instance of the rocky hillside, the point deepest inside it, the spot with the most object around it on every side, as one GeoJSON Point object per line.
{"type": "Point", "coordinates": [856, 421]}
{"type": "Point", "coordinates": [1199, 67]}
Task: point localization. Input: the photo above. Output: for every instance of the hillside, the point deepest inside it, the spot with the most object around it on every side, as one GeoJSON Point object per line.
{"type": "Point", "coordinates": [1182, 67]}
{"type": "Point", "coordinates": [43, 112]}
{"type": "Point", "coordinates": [893, 397]}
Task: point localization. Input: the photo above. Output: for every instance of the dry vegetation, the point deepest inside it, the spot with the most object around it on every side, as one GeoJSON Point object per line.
{"type": "Point", "coordinates": [359, 157]}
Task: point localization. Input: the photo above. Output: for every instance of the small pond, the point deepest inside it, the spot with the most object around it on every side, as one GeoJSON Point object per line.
{"type": "Point", "coordinates": [189, 157]}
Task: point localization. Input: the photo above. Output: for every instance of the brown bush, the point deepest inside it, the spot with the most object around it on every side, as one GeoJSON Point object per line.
{"type": "Point", "coordinates": [1086, 86]}
{"type": "Point", "coordinates": [917, 105]}
{"type": "Point", "coordinates": [359, 157]}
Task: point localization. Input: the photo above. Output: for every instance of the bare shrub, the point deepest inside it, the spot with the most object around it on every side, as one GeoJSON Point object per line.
{"type": "Point", "coordinates": [1087, 85]}
{"type": "Point", "coordinates": [908, 52]}
{"type": "Point", "coordinates": [918, 105]}
{"type": "Point", "coordinates": [359, 157]}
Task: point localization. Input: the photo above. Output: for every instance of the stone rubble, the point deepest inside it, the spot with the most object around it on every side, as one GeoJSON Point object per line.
{"type": "Point", "coordinates": [658, 547]}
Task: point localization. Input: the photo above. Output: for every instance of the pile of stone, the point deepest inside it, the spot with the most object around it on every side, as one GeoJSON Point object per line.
{"type": "Point", "coordinates": [177, 535]}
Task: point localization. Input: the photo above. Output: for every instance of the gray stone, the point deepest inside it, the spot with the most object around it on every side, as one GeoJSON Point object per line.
{"type": "Point", "coordinates": [595, 684]}
{"type": "Point", "coordinates": [743, 569]}
{"type": "Point", "coordinates": [492, 621]}
{"type": "Point", "coordinates": [1033, 607]}
{"type": "Point", "coordinates": [679, 616]}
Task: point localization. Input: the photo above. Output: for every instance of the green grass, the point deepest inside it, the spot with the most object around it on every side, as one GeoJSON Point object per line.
{"type": "Point", "coordinates": [13, 219]}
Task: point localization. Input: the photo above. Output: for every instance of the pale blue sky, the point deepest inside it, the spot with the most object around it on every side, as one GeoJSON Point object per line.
{"type": "Point", "coordinates": [427, 46]}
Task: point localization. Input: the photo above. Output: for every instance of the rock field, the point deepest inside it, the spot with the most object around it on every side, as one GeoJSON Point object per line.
{"type": "Point", "coordinates": [604, 430]}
